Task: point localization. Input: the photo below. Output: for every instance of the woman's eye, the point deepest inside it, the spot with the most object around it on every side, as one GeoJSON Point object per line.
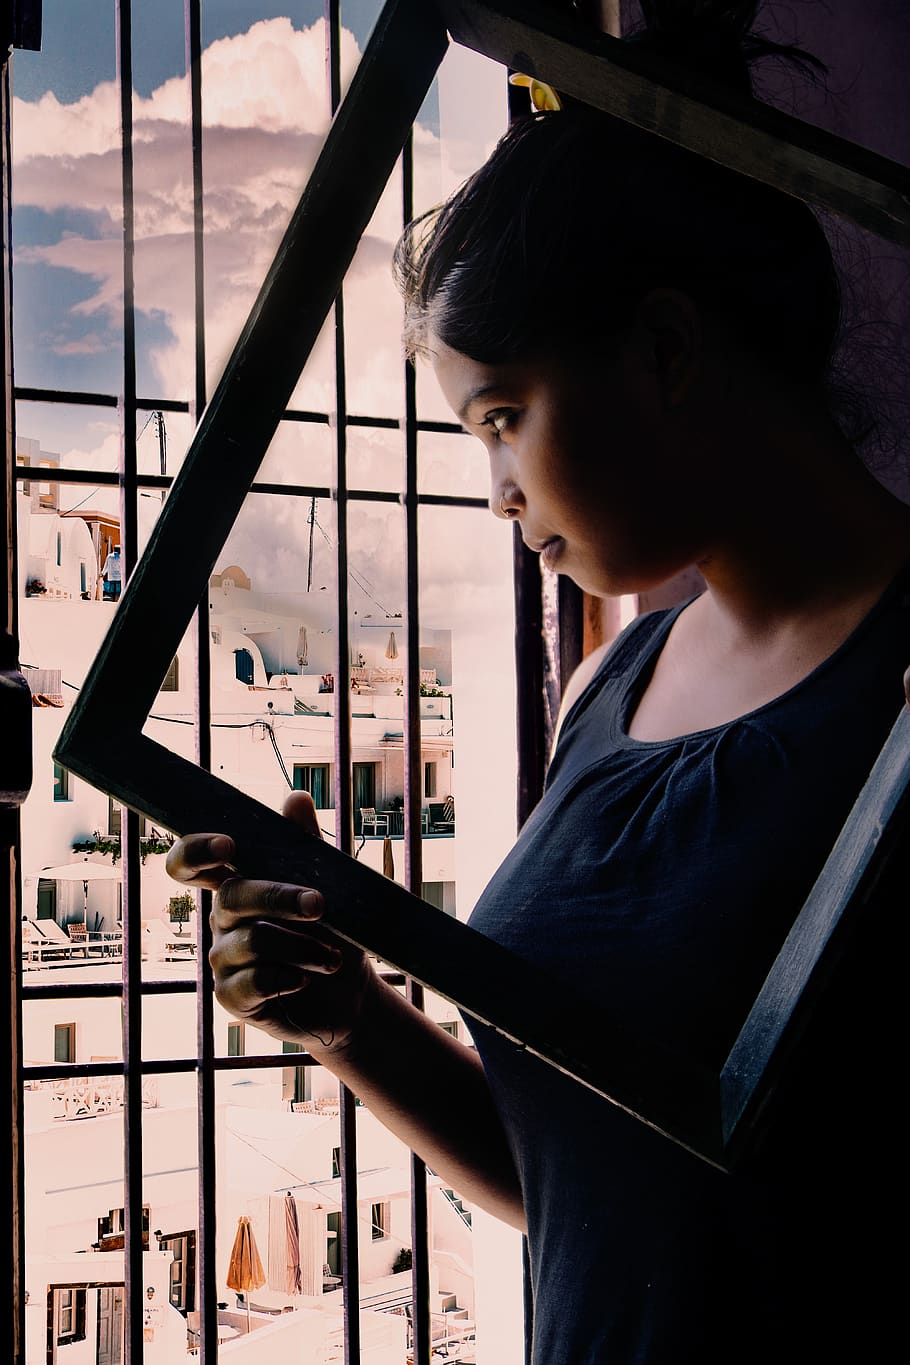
{"type": "Point", "coordinates": [499, 421]}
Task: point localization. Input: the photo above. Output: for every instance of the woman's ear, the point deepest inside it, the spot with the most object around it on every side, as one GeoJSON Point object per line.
{"type": "Point", "coordinates": [668, 332]}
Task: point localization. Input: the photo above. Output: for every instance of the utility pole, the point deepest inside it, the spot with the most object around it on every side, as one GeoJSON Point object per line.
{"type": "Point", "coordinates": [309, 563]}
{"type": "Point", "coordinates": [162, 447]}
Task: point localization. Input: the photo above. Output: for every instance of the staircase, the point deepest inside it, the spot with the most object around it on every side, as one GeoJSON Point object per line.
{"type": "Point", "coordinates": [458, 1206]}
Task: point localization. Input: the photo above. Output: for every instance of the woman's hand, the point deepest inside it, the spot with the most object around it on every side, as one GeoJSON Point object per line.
{"type": "Point", "coordinates": [273, 962]}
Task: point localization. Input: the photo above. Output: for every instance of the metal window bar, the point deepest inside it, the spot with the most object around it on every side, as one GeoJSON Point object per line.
{"type": "Point", "coordinates": [206, 1282]}
{"type": "Point", "coordinates": [344, 813]}
{"type": "Point", "coordinates": [132, 965]}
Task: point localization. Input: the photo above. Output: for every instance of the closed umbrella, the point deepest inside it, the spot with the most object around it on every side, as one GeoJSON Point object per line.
{"type": "Point", "coordinates": [391, 649]}
{"type": "Point", "coordinates": [245, 1271]}
{"type": "Point", "coordinates": [292, 1283]}
{"type": "Point", "coordinates": [388, 862]}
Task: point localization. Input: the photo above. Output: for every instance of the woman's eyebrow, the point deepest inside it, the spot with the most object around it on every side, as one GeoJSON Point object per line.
{"type": "Point", "coordinates": [482, 391]}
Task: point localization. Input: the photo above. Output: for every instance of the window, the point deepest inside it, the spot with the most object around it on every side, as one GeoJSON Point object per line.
{"type": "Point", "coordinates": [364, 789]}
{"type": "Point", "coordinates": [429, 779]}
{"type": "Point", "coordinates": [314, 778]}
{"type": "Point", "coordinates": [64, 1042]}
{"type": "Point", "coordinates": [336, 1162]}
{"type": "Point", "coordinates": [296, 1087]}
{"type": "Point", "coordinates": [111, 1227]}
{"type": "Point", "coordinates": [114, 820]}
{"type": "Point", "coordinates": [243, 666]}
{"type": "Point", "coordinates": [69, 1315]}
{"type": "Point", "coordinates": [380, 1220]}
{"type": "Point", "coordinates": [182, 1272]}
{"type": "Point", "coordinates": [440, 894]}
{"type": "Point", "coordinates": [308, 452]}
{"type": "Point", "coordinates": [59, 548]}
{"type": "Point", "coordinates": [62, 781]}
{"type": "Point", "coordinates": [449, 1026]}
{"type": "Point", "coordinates": [47, 899]}
{"type": "Point", "coordinates": [171, 678]}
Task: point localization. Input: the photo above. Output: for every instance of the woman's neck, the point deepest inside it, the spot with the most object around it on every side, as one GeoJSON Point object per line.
{"type": "Point", "coordinates": [813, 531]}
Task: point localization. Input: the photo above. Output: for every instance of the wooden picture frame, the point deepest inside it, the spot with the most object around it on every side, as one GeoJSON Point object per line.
{"type": "Point", "coordinates": [714, 1115]}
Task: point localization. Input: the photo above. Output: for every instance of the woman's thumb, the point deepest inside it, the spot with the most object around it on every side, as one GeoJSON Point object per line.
{"type": "Point", "coordinates": [299, 808]}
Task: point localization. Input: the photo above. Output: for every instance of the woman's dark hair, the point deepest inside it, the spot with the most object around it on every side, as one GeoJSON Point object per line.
{"type": "Point", "coordinates": [577, 214]}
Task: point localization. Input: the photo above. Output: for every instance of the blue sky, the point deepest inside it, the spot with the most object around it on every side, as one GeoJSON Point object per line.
{"type": "Point", "coordinates": [78, 39]}
{"type": "Point", "coordinates": [266, 114]}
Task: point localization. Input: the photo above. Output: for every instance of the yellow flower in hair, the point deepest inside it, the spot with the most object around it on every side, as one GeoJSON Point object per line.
{"type": "Point", "coordinates": [543, 96]}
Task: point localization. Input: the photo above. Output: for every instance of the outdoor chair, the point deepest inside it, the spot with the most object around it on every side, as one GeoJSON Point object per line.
{"type": "Point", "coordinates": [193, 1332]}
{"type": "Point", "coordinates": [442, 816]}
{"type": "Point", "coordinates": [35, 945]}
{"type": "Point", "coordinates": [368, 816]}
{"type": "Point", "coordinates": [78, 937]}
{"type": "Point", "coordinates": [106, 942]}
{"type": "Point", "coordinates": [53, 941]}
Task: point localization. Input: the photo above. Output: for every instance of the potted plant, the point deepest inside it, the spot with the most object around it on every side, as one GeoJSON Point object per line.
{"type": "Point", "coordinates": [178, 909]}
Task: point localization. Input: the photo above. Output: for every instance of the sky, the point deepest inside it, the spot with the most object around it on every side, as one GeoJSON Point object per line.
{"type": "Point", "coordinates": [265, 116]}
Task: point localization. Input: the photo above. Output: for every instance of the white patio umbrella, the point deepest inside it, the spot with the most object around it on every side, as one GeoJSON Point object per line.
{"type": "Point", "coordinates": [83, 872]}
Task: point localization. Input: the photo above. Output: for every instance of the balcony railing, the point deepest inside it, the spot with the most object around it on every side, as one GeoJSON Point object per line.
{"type": "Point", "coordinates": [85, 1097]}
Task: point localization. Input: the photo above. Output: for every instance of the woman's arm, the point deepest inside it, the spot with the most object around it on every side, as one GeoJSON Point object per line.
{"type": "Point", "coordinates": [431, 1091]}
{"type": "Point", "coordinates": [276, 966]}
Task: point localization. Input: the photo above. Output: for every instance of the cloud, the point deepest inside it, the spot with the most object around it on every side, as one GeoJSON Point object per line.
{"type": "Point", "coordinates": [266, 117]}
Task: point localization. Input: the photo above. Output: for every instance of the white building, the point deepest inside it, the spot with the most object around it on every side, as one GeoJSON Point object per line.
{"type": "Point", "coordinates": [273, 700]}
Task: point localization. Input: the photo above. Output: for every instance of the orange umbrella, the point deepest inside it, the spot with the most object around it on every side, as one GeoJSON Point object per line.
{"type": "Point", "coordinates": [245, 1270]}
{"type": "Point", "coordinates": [388, 861]}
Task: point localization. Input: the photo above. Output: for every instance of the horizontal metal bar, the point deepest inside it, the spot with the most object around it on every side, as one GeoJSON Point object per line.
{"type": "Point", "coordinates": [168, 1066]}
{"type": "Point", "coordinates": [71, 396]}
{"type": "Point", "coordinates": [41, 474]}
{"type": "Point", "coordinates": [300, 415]}
{"type": "Point", "coordinates": [101, 990]}
{"type": "Point", "coordinates": [96, 400]}
{"type": "Point", "coordinates": [689, 109]}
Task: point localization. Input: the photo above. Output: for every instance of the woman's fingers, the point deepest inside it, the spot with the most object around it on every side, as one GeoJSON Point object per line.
{"type": "Point", "coordinates": [205, 859]}
{"type": "Point", "coordinates": [301, 809]}
{"type": "Point", "coordinates": [241, 897]}
{"type": "Point", "coordinates": [201, 860]}
{"type": "Point", "coordinates": [280, 954]}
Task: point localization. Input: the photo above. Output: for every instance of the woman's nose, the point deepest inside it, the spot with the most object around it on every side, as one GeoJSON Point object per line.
{"type": "Point", "coordinates": [505, 500]}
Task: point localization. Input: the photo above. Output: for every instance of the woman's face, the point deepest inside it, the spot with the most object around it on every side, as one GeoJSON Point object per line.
{"type": "Point", "coordinates": [589, 458]}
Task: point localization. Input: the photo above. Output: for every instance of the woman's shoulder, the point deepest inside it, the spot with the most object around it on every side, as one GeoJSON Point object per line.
{"type": "Point", "coordinates": [623, 654]}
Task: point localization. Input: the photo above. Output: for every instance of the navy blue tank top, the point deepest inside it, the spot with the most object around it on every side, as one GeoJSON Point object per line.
{"type": "Point", "coordinates": [658, 880]}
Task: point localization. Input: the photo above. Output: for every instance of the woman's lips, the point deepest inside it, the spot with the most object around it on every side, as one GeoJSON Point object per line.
{"type": "Point", "coordinates": [551, 551]}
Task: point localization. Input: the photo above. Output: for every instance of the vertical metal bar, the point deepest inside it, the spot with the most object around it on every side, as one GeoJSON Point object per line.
{"type": "Point", "coordinates": [344, 815]}
{"type": "Point", "coordinates": [129, 825]}
{"type": "Point", "coordinates": [531, 713]}
{"type": "Point", "coordinates": [570, 624]}
{"type": "Point", "coordinates": [529, 672]}
{"type": "Point", "coordinates": [12, 1334]}
{"type": "Point", "coordinates": [350, 1240]}
{"type": "Point", "coordinates": [129, 526]}
{"type": "Point", "coordinates": [413, 786]}
{"type": "Point", "coordinates": [206, 1264]}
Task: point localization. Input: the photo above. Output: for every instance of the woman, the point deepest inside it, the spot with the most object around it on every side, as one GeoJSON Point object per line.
{"type": "Point", "coordinates": [644, 342]}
